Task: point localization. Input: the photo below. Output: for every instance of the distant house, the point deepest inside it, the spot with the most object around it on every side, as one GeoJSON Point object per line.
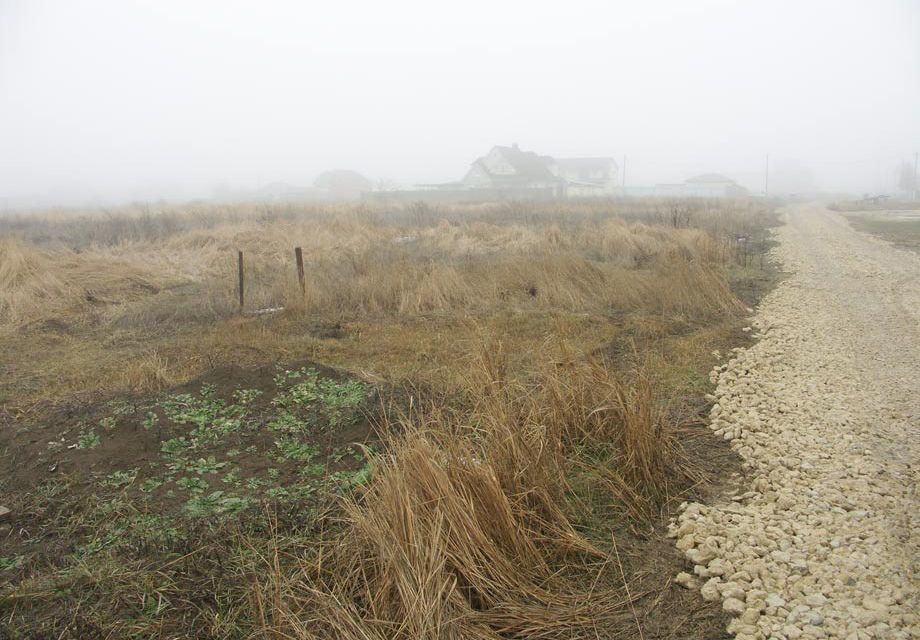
{"type": "Point", "coordinates": [715, 185]}
{"type": "Point", "coordinates": [706, 185]}
{"type": "Point", "coordinates": [587, 177]}
{"type": "Point", "coordinates": [342, 184]}
{"type": "Point", "coordinates": [510, 169]}
{"type": "Point", "coordinates": [508, 173]}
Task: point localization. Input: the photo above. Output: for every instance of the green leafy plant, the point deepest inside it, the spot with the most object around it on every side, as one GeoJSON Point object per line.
{"type": "Point", "coordinates": [151, 484]}
{"type": "Point", "coordinates": [121, 407]}
{"type": "Point", "coordinates": [121, 478]}
{"type": "Point", "coordinates": [246, 396]}
{"type": "Point", "coordinates": [175, 446]}
{"type": "Point", "coordinates": [292, 449]}
{"type": "Point", "coordinates": [202, 465]}
{"type": "Point", "coordinates": [88, 440]}
{"type": "Point", "coordinates": [192, 483]}
{"type": "Point", "coordinates": [150, 420]}
{"type": "Point", "coordinates": [214, 504]}
{"type": "Point", "coordinates": [314, 469]}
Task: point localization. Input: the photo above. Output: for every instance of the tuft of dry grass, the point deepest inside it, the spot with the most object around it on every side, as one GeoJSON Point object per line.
{"type": "Point", "coordinates": [467, 528]}
{"type": "Point", "coordinates": [149, 374]}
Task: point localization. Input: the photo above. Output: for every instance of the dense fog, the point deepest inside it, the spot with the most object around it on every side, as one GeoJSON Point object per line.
{"type": "Point", "coordinates": [110, 101]}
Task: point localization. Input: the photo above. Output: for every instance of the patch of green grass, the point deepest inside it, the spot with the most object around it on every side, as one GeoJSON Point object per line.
{"type": "Point", "coordinates": [11, 562]}
{"type": "Point", "coordinates": [900, 231]}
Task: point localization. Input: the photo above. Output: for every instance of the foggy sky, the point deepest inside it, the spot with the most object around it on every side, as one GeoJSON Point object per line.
{"type": "Point", "coordinates": [125, 99]}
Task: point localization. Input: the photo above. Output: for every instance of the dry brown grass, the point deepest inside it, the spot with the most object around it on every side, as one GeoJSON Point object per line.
{"type": "Point", "coordinates": [527, 338]}
{"type": "Point", "coordinates": [360, 261]}
{"type": "Point", "coordinates": [466, 529]}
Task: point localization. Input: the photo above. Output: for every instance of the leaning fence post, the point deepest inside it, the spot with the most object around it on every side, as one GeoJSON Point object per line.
{"type": "Point", "coordinates": [298, 255]}
{"type": "Point", "coordinates": [240, 255]}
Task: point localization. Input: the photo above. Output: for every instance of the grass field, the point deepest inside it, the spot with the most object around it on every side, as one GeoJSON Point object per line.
{"type": "Point", "coordinates": [897, 228]}
{"type": "Point", "coordinates": [472, 422]}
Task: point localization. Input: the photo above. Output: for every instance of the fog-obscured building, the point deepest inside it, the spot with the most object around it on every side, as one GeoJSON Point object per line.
{"type": "Point", "coordinates": [705, 185]}
{"type": "Point", "coordinates": [510, 169]}
{"type": "Point", "coordinates": [588, 177]}
{"type": "Point", "coordinates": [342, 184]}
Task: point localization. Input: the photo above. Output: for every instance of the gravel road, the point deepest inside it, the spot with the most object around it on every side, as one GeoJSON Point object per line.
{"type": "Point", "coordinates": [822, 540]}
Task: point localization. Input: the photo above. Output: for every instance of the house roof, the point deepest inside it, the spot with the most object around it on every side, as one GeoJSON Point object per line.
{"type": "Point", "coordinates": [527, 164]}
{"type": "Point", "coordinates": [704, 178]}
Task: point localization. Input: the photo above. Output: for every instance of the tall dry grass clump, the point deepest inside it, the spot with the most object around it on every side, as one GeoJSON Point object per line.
{"type": "Point", "coordinates": [41, 285]}
{"type": "Point", "coordinates": [467, 526]}
{"type": "Point", "coordinates": [28, 284]}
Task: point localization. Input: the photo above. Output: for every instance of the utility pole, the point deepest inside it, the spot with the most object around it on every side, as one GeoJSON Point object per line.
{"type": "Point", "coordinates": [766, 178]}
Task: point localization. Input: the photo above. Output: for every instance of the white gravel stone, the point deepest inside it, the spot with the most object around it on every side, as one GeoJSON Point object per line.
{"type": "Point", "coordinates": [824, 411]}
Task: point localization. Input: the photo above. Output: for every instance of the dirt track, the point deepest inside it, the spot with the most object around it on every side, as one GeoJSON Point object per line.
{"type": "Point", "coordinates": [825, 411]}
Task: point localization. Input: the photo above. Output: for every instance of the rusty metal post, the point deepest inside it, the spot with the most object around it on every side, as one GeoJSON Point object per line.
{"type": "Point", "coordinates": [298, 255]}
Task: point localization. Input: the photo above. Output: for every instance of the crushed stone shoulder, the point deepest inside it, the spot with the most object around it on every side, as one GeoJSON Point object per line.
{"type": "Point", "coordinates": [824, 410]}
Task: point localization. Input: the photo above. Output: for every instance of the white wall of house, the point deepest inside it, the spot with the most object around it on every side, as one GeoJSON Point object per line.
{"type": "Point", "coordinates": [588, 190]}
{"type": "Point", "coordinates": [497, 164]}
{"type": "Point", "coordinates": [477, 177]}
{"type": "Point", "coordinates": [595, 182]}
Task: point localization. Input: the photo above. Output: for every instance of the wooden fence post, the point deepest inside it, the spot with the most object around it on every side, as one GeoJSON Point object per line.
{"type": "Point", "coordinates": [298, 255]}
{"type": "Point", "coordinates": [241, 279]}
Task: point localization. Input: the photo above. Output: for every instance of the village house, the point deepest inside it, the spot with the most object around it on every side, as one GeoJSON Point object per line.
{"type": "Point", "coordinates": [715, 185]}
{"type": "Point", "coordinates": [508, 173]}
{"type": "Point", "coordinates": [509, 168]}
{"type": "Point", "coordinates": [705, 185]}
{"type": "Point", "coordinates": [588, 177]}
